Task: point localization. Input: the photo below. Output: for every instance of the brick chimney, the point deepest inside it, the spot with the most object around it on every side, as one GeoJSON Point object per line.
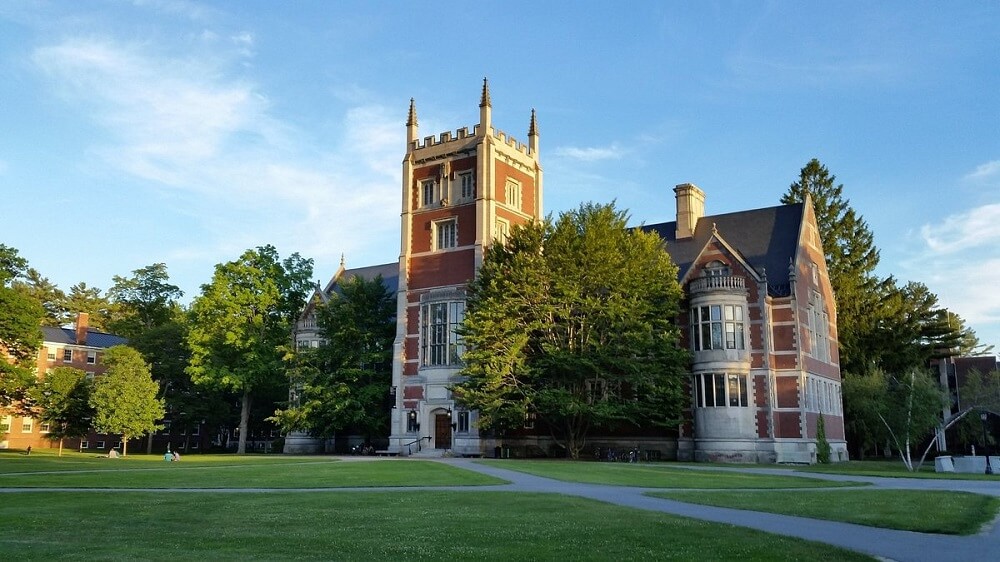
{"type": "Point", "coordinates": [690, 208]}
{"type": "Point", "coordinates": [82, 323]}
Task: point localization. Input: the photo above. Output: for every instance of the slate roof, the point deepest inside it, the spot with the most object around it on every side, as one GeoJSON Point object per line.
{"type": "Point", "coordinates": [67, 336]}
{"type": "Point", "coordinates": [388, 271]}
{"type": "Point", "coordinates": [767, 238]}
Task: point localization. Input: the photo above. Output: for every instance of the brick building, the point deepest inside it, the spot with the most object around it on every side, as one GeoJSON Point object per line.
{"type": "Point", "coordinates": [80, 347]}
{"type": "Point", "coordinates": [760, 320]}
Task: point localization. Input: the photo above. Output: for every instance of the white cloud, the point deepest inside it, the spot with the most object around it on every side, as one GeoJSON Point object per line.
{"type": "Point", "coordinates": [985, 172]}
{"type": "Point", "coordinates": [958, 260]}
{"type": "Point", "coordinates": [590, 154]}
{"type": "Point", "coordinates": [243, 173]}
{"type": "Point", "coordinates": [977, 228]}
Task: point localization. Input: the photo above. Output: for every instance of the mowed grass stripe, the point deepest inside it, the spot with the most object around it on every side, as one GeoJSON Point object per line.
{"type": "Point", "coordinates": [659, 475]}
{"type": "Point", "coordinates": [371, 526]}
{"type": "Point", "coordinates": [924, 511]}
{"type": "Point", "coordinates": [254, 475]}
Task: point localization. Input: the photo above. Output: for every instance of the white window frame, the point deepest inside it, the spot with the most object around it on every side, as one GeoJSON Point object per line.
{"type": "Point", "coordinates": [50, 353]}
{"type": "Point", "coordinates": [467, 185]}
{"type": "Point", "coordinates": [512, 193]}
{"type": "Point", "coordinates": [722, 325]}
{"type": "Point", "coordinates": [67, 355]}
{"type": "Point", "coordinates": [27, 425]}
{"type": "Point", "coordinates": [91, 357]}
{"type": "Point", "coordinates": [45, 427]}
{"type": "Point", "coordinates": [100, 444]}
{"type": "Point", "coordinates": [446, 234]}
{"type": "Point", "coordinates": [5, 423]}
{"type": "Point", "coordinates": [501, 231]}
{"type": "Point", "coordinates": [429, 194]}
{"type": "Point", "coordinates": [84, 444]}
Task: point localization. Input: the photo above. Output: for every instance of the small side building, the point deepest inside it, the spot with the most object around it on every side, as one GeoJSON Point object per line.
{"type": "Point", "coordinates": [78, 346]}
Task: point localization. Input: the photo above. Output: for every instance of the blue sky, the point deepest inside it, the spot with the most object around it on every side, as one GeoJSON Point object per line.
{"type": "Point", "coordinates": [181, 132]}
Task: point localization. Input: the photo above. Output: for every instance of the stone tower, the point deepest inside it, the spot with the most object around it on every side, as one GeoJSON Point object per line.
{"type": "Point", "coordinates": [461, 193]}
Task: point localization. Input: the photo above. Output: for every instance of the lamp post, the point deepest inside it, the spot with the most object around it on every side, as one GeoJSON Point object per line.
{"type": "Point", "coordinates": [989, 469]}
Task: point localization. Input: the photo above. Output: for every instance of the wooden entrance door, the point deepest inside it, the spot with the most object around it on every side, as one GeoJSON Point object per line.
{"type": "Point", "coordinates": [442, 431]}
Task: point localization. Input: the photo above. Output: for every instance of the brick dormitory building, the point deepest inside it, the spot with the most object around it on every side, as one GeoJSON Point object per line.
{"type": "Point", "coordinates": [760, 319]}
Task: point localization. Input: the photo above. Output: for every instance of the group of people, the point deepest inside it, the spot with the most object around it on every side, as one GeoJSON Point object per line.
{"type": "Point", "coordinates": [174, 456]}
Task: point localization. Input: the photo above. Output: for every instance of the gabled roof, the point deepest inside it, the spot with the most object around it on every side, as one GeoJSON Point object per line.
{"type": "Point", "coordinates": [67, 336]}
{"type": "Point", "coordinates": [388, 271]}
{"type": "Point", "coordinates": [767, 238]}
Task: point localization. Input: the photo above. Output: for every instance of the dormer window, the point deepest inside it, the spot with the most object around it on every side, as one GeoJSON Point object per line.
{"type": "Point", "coordinates": [716, 269]}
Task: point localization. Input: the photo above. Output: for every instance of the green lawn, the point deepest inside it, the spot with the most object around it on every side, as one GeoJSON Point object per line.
{"type": "Point", "coordinates": [892, 469]}
{"type": "Point", "coordinates": [658, 475]}
{"type": "Point", "coordinates": [48, 460]}
{"type": "Point", "coordinates": [956, 513]}
{"type": "Point", "coordinates": [228, 471]}
{"type": "Point", "coordinates": [368, 526]}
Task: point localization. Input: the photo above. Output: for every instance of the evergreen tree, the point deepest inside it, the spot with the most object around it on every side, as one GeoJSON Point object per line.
{"type": "Point", "coordinates": [580, 335]}
{"type": "Point", "coordinates": [52, 299]}
{"type": "Point", "coordinates": [851, 258]}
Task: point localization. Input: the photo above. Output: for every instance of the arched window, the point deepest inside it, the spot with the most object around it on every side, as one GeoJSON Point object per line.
{"type": "Point", "coordinates": [716, 269]}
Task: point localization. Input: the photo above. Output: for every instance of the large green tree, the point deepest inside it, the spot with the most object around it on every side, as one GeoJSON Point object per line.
{"type": "Point", "coordinates": [240, 324]}
{"type": "Point", "coordinates": [851, 259]}
{"type": "Point", "coordinates": [900, 410]}
{"type": "Point", "coordinates": [572, 321]}
{"type": "Point", "coordinates": [125, 397]}
{"type": "Point", "coordinates": [63, 402]}
{"type": "Point", "coordinates": [20, 332]}
{"type": "Point", "coordinates": [82, 298]}
{"type": "Point", "coordinates": [344, 384]}
{"type": "Point", "coordinates": [52, 299]}
{"type": "Point", "coordinates": [143, 301]}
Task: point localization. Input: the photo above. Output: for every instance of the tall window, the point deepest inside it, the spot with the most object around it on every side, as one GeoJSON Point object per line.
{"type": "Point", "coordinates": [512, 193]}
{"type": "Point", "coordinates": [468, 183]}
{"type": "Point", "coordinates": [718, 390]}
{"type": "Point", "coordinates": [428, 193]}
{"type": "Point", "coordinates": [445, 234]}
{"type": "Point", "coordinates": [91, 357]}
{"type": "Point", "coordinates": [439, 339]}
{"type": "Point", "coordinates": [717, 327]}
{"type": "Point", "coordinates": [27, 425]}
{"type": "Point", "coordinates": [50, 353]}
{"type": "Point", "coordinates": [5, 424]}
{"type": "Point", "coordinates": [502, 231]}
{"type": "Point", "coordinates": [817, 324]}
{"type": "Point", "coordinates": [67, 356]}
{"type": "Point", "coordinates": [463, 421]}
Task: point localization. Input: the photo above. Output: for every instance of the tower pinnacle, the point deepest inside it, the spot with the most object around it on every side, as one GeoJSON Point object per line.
{"type": "Point", "coordinates": [485, 99]}
{"type": "Point", "coordinates": [533, 134]}
{"type": "Point", "coordinates": [411, 124]}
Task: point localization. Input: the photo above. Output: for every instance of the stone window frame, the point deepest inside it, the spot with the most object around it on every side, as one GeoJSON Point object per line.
{"type": "Point", "coordinates": [708, 393]}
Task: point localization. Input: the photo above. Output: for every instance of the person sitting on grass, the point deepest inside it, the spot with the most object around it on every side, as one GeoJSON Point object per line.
{"type": "Point", "coordinates": [113, 453]}
{"type": "Point", "coordinates": [177, 456]}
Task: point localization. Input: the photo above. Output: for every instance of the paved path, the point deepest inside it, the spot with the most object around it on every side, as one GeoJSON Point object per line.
{"type": "Point", "coordinates": [888, 544]}
{"type": "Point", "coordinates": [902, 546]}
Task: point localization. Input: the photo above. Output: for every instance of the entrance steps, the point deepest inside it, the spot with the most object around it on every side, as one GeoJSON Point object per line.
{"type": "Point", "coordinates": [429, 453]}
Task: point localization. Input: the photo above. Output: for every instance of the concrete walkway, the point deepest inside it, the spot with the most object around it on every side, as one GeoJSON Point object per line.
{"type": "Point", "coordinates": [904, 546]}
